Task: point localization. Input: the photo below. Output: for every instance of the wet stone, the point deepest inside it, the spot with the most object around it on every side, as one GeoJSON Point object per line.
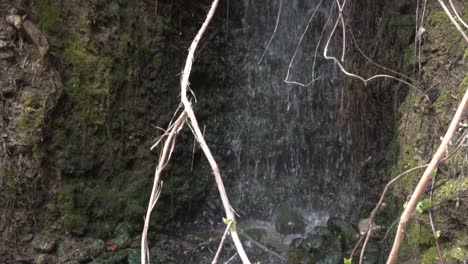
{"type": "Point", "coordinates": [28, 237]}
{"type": "Point", "coordinates": [44, 244]}
{"type": "Point", "coordinates": [345, 229]}
{"type": "Point", "coordinates": [118, 257]}
{"type": "Point", "coordinates": [80, 249]}
{"type": "Point", "coordinates": [7, 55]}
{"type": "Point", "coordinates": [122, 236]}
{"type": "Point", "coordinates": [312, 242]}
{"type": "Point", "coordinates": [45, 259]}
{"type": "Point", "coordinates": [6, 89]}
{"type": "Point", "coordinates": [288, 221]}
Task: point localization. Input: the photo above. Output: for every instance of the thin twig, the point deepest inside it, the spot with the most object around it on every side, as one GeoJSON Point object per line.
{"type": "Point", "coordinates": [221, 244]}
{"type": "Point", "coordinates": [434, 232]}
{"type": "Point", "coordinates": [274, 32]}
{"type": "Point", "coordinates": [232, 258]}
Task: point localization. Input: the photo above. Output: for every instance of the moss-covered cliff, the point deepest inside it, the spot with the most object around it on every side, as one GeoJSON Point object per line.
{"type": "Point", "coordinates": [443, 76]}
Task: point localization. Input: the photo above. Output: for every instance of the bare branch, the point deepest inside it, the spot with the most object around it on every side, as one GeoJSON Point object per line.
{"type": "Point", "coordinates": [221, 244]}
{"type": "Point", "coordinates": [199, 135]}
{"type": "Point", "coordinates": [164, 157]}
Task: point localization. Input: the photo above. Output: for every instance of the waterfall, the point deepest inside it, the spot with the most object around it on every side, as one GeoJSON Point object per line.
{"type": "Point", "coordinates": [285, 140]}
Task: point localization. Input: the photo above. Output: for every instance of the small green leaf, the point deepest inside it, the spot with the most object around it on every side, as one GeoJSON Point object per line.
{"type": "Point", "coordinates": [225, 221]}
{"type": "Point", "coordinates": [423, 205]}
{"type": "Point", "coordinates": [419, 208]}
{"type": "Point", "coordinates": [405, 204]}
{"type": "Point", "coordinates": [347, 260]}
{"type": "Point", "coordinates": [233, 225]}
{"type": "Point", "coordinates": [438, 233]}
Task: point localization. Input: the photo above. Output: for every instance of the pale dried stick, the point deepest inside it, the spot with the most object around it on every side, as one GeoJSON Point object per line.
{"type": "Point", "coordinates": [166, 152]}
{"type": "Point", "coordinates": [221, 244]}
{"type": "Point", "coordinates": [199, 135]}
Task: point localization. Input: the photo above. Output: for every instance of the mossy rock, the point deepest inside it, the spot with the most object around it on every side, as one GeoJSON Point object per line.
{"type": "Point", "coordinates": [79, 249]}
{"type": "Point", "coordinates": [372, 255]}
{"type": "Point", "coordinates": [289, 221]}
{"type": "Point", "coordinates": [452, 199]}
{"type": "Point", "coordinates": [44, 244]}
{"type": "Point", "coordinates": [312, 242]}
{"type": "Point", "coordinates": [331, 252]}
{"type": "Point", "coordinates": [122, 237]}
{"type": "Point", "coordinates": [430, 256]}
{"type": "Point", "coordinates": [118, 257]}
{"type": "Point", "coordinates": [75, 223]}
{"type": "Point", "coordinates": [346, 229]}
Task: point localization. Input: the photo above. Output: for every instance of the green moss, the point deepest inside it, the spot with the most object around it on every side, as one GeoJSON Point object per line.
{"type": "Point", "coordinates": [49, 15]}
{"type": "Point", "coordinates": [77, 203]}
{"type": "Point", "coordinates": [450, 190]}
{"type": "Point", "coordinates": [463, 87]}
{"type": "Point", "coordinates": [402, 21]}
{"type": "Point", "coordinates": [420, 237]}
{"type": "Point", "coordinates": [456, 253]}
{"type": "Point", "coordinates": [444, 34]}
{"type": "Point", "coordinates": [75, 223]}
{"type": "Point", "coordinates": [408, 55]}
{"type": "Point", "coordinates": [31, 120]}
{"type": "Point", "coordinates": [430, 256]}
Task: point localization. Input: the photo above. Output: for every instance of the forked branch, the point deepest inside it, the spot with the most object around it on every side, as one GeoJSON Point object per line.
{"type": "Point", "coordinates": [188, 113]}
{"type": "Point", "coordinates": [199, 135]}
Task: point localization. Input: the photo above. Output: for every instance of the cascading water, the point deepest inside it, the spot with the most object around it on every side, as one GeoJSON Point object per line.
{"type": "Point", "coordinates": [286, 142]}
